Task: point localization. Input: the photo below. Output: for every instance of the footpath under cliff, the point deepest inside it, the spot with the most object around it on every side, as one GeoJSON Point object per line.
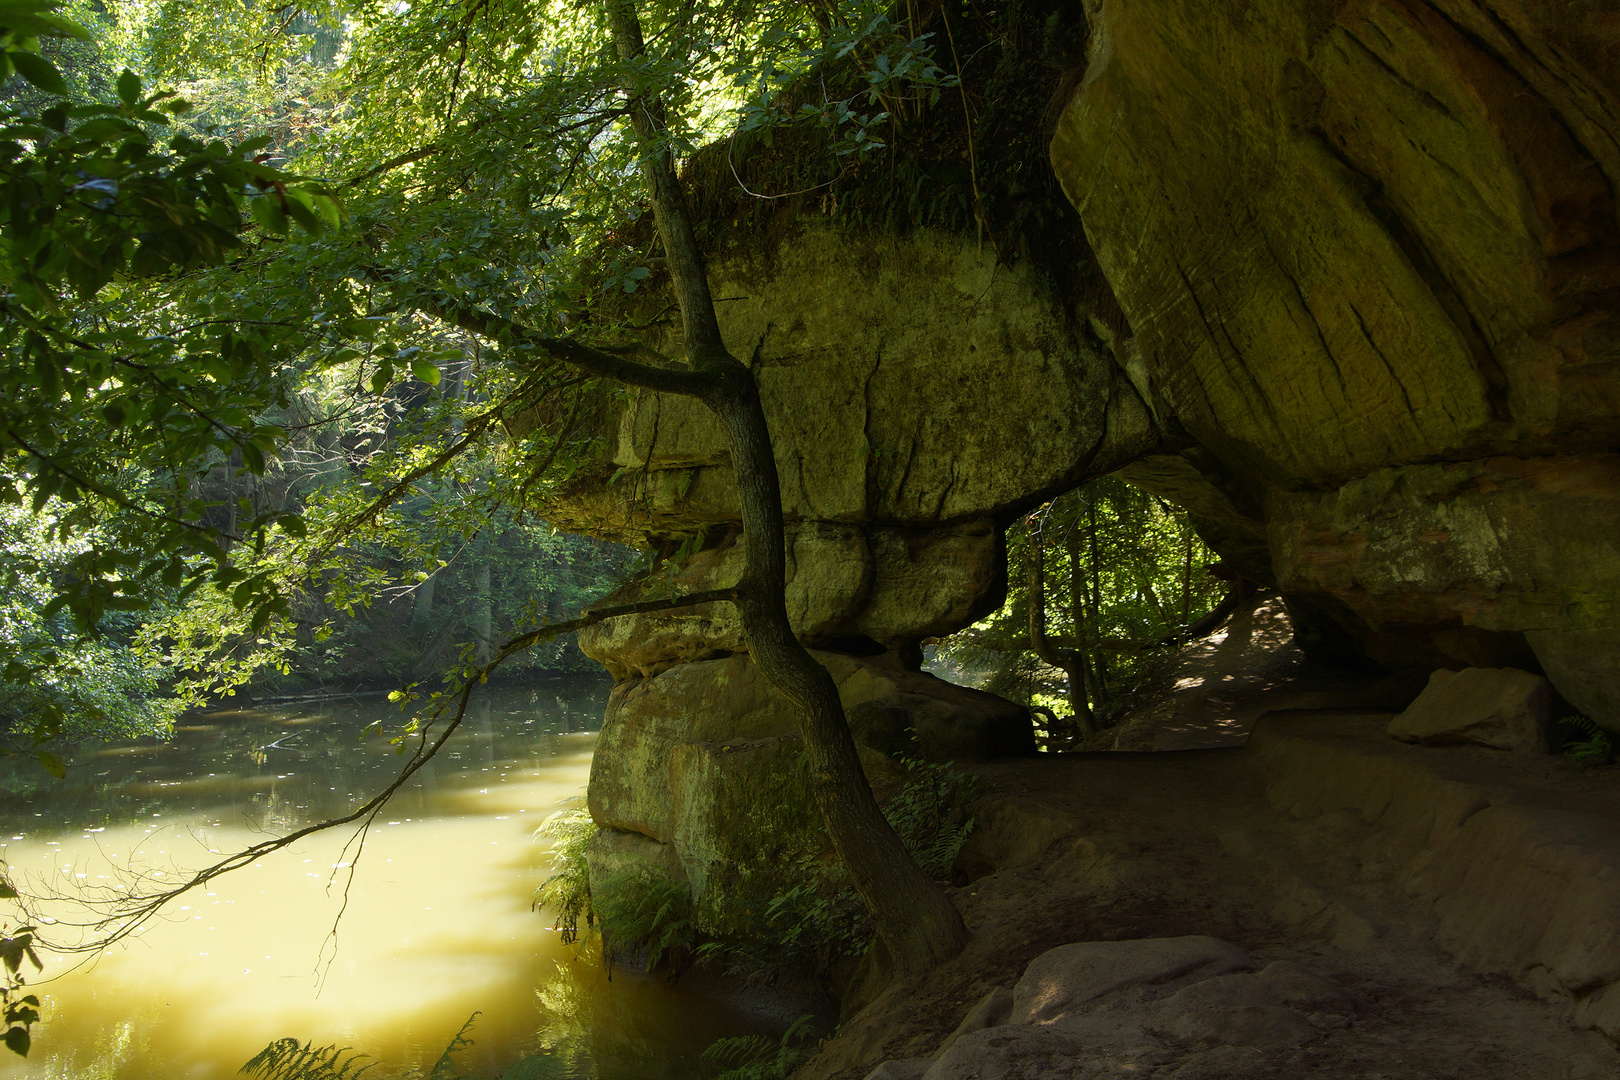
{"type": "Point", "coordinates": [1458, 909]}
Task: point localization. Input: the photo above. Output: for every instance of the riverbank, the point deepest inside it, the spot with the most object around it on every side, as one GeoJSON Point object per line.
{"type": "Point", "coordinates": [1467, 900]}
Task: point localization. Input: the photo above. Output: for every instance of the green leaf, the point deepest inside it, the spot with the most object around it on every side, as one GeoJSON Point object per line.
{"type": "Point", "coordinates": [7, 892]}
{"type": "Point", "coordinates": [17, 1041]}
{"type": "Point", "coordinates": [253, 458]}
{"type": "Point", "coordinates": [330, 210]}
{"type": "Point", "coordinates": [267, 211]}
{"type": "Point", "coordinates": [426, 371]}
{"type": "Point", "coordinates": [52, 763]}
{"type": "Point", "coordinates": [64, 25]}
{"type": "Point", "coordinates": [300, 209]}
{"type": "Point", "coordinates": [129, 87]}
{"type": "Point", "coordinates": [39, 71]}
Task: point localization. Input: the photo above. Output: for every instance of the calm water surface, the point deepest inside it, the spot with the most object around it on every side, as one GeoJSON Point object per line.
{"type": "Point", "coordinates": [438, 923]}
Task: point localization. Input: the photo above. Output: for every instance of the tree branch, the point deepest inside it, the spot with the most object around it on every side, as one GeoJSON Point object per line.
{"type": "Point", "coordinates": [133, 912]}
{"type": "Point", "coordinates": [576, 353]}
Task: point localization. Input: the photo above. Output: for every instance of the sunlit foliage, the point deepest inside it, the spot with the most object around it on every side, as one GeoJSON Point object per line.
{"type": "Point", "coordinates": [1124, 572]}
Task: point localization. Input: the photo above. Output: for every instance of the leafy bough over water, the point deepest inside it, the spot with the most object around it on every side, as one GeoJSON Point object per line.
{"type": "Point", "coordinates": [19, 1010]}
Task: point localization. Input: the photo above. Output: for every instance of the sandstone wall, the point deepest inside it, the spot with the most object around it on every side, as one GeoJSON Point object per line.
{"type": "Point", "coordinates": [919, 395]}
{"type": "Point", "coordinates": [1369, 254]}
{"type": "Point", "coordinates": [1368, 260]}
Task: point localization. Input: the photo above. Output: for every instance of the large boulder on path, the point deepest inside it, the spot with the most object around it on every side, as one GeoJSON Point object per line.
{"type": "Point", "coordinates": [1502, 708]}
{"type": "Point", "coordinates": [1066, 978]}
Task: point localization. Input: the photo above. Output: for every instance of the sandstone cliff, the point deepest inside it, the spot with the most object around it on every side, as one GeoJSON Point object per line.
{"type": "Point", "coordinates": [1364, 265]}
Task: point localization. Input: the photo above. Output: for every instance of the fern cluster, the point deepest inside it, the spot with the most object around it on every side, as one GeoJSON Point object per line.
{"type": "Point", "coordinates": [644, 914]}
{"type": "Point", "coordinates": [1599, 745]}
{"type": "Point", "coordinates": [754, 1057]}
{"type": "Point", "coordinates": [567, 892]}
{"type": "Point", "coordinates": [288, 1059]}
{"type": "Point", "coordinates": [821, 919]}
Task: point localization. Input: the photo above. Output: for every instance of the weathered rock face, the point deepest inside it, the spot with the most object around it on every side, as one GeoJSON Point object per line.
{"type": "Point", "coordinates": [1503, 708]}
{"type": "Point", "coordinates": [1185, 1007]}
{"type": "Point", "coordinates": [909, 382]}
{"type": "Point", "coordinates": [1369, 254]}
{"type": "Point", "coordinates": [1368, 263]}
{"type": "Point", "coordinates": [894, 519]}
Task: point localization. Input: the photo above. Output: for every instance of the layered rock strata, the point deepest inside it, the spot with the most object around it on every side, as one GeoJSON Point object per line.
{"type": "Point", "coordinates": [1366, 261]}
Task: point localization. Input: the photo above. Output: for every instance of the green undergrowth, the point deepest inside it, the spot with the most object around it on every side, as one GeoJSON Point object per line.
{"type": "Point", "coordinates": [812, 918]}
{"type": "Point", "coordinates": [567, 892]}
{"type": "Point", "coordinates": [754, 1057]}
{"type": "Point", "coordinates": [289, 1059]}
{"type": "Point", "coordinates": [818, 921]}
{"type": "Point", "coordinates": [645, 919]}
{"type": "Point", "coordinates": [967, 153]}
{"type": "Point", "coordinates": [1591, 743]}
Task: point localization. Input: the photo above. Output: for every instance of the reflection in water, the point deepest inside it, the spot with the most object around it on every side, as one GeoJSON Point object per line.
{"type": "Point", "coordinates": [437, 923]}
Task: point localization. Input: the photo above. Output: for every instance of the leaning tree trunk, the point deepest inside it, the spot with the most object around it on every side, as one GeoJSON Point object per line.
{"type": "Point", "coordinates": [1072, 663]}
{"type": "Point", "coordinates": [915, 920]}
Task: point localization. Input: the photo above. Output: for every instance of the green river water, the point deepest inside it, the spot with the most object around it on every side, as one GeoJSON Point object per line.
{"type": "Point", "coordinates": [437, 926]}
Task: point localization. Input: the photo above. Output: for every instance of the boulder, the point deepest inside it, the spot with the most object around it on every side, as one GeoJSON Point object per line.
{"type": "Point", "coordinates": [904, 1069]}
{"type": "Point", "coordinates": [1188, 1007]}
{"type": "Point", "coordinates": [1264, 1027]}
{"type": "Point", "coordinates": [1282, 983]}
{"type": "Point", "coordinates": [992, 1011]}
{"type": "Point", "coordinates": [1502, 708]}
{"type": "Point", "coordinates": [1069, 977]}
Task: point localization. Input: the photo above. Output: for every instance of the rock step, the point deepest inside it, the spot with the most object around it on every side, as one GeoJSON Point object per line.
{"type": "Point", "coordinates": [1517, 856]}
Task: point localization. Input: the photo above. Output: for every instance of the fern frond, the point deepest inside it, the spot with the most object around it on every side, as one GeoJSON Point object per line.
{"type": "Point", "coordinates": [445, 1067]}
{"type": "Point", "coordinates": [288, 1059]}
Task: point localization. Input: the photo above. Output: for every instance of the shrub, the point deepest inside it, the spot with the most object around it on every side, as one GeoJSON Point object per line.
{"type": "Point", "coordinates": [753, 1057]}
{"type": "Point", "coordinates": [1599, 745]}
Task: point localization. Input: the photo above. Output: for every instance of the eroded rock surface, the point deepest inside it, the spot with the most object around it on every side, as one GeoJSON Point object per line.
{"type": "Point", "coordinates": [699, 771]}
{"type": "Point", "coordinates": [1187, 1006]}
{"type": "Point", "coordinates": [1364, 264]}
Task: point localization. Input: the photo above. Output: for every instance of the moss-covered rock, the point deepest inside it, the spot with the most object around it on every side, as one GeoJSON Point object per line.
{"type": "Point", "coordinates": [704, 762]}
